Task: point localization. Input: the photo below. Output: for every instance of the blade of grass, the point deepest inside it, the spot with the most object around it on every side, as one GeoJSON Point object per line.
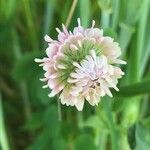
{"type": "Point", "coordinates": [145, 35]}
{"type": "Point", "coordinates": [146, 57]}
{"type": "Point", "coordinates": [131, 106]}
{"type": "Point", "coordinates": [85, 12]}
{"type": "Point", "coordinates": [59, 109]}
{"type": "Point", "coordinates": [111, 124]}
{"type": "Point", "coordinates": [142, 31]}
{"type": "Point", "coordinates": [134, 90]}
{"type": "Point", "coordinates": [48, 17]}
{"type": "Point", "coordinates": [105, 7]}
{"type": "Point", "coordinates": [72, 9]}
{"type": "Point", "coordinates": [115, 13]}
{"type": "Point", "coordinates": [30, 24]}
{"type": "Point", "coordinates": [3, 135]}
{"type": "Point", "coordinates": [130, 9]}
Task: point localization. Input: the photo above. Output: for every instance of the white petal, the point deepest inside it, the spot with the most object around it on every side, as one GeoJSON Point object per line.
{"type": "Point", "coordinates": [93, 54]}
{"type": "Point", "coordinates": [38, 60]}
{"type": "Point", "coordinates": [43, 79]}
{"type": "Point", "coordinates": [45, 86]}
{"type": "Point", "coordinates": [79, 22]}
{"type": "Point", "coordinates": [118, 61]}
{"type": "Point", "coordinates": [54, 75]}
{"type": "Point", "coordinates": [58, 30]}
{"type": "Point", "coordinates": [65, 29]}
{"type": "Point", "coordinates": [110, 81]}
{"type": "Point", "coordinates": [79, 105]}
{"type": "Point", "coordinates": [48, 39]}
{"type": "Point", "coordinates": [93, 23]}
{"type": "Point", "coordinates": [70, 80]}
{"type": "Point", "coordinates": [76, 75]}
{"type": "Point", "coordinates": [56, 90]}
{"type": "Point", "coordinates": [73, 47]}
{"type": "Point", "coordinates": [76, 90]}
{"type": "Point", "coordinates": [61, 66]}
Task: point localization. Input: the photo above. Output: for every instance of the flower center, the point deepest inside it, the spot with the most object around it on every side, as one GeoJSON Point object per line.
{"type": "Point", "coordinates": [76, 56]}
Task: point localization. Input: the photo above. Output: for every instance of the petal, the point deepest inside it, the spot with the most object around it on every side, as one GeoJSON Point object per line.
{"type": "Point", "coordinates": [56, 90]}
{"type": "Point", "coordinates": [48, 39]}
{"type": "Point", "coordinates": [78, 30]}
{"type": "Point", "coordinates": [76, 90]}
{"type": "Point", "coordinates": [118, 61]}
{"type": "Point", "coordinates": [94, 33]}
{"type": "Point", "coordinates": [79, 105]}
{"type": "Point", "coordinates": [52, 50]}
{"type": "Point", "coordinates": [52, 83]}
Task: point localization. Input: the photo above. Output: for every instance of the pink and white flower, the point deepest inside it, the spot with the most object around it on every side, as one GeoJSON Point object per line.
{"type": "Point", "coordinates": [80, 65]}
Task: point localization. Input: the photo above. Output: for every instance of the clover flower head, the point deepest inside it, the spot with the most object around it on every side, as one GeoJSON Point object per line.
{"type": "Point", "coordinates": [80, 65]}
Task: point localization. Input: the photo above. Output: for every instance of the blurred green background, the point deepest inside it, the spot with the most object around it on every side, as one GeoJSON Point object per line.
{"type": "Point", "coordinates": [29, 118]}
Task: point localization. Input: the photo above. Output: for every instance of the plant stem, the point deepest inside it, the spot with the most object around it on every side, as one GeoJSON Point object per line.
{"type": "Point", "coordinates": [111, 124]}
{"type": "Point", "coordinates": [49, 10]}
{"type": "Point", "coordinates": [105, 18]}
{"type": "Point", "coordinates": [30, 24]}
{"type": "Point", "coordinates": [72, 9]}
{"type": "Point", "coordinates": [3, 135]}
{"type": "Point", "coordinates": [59, 109]}
{"type": "Point", "coordinates": [115, 14]}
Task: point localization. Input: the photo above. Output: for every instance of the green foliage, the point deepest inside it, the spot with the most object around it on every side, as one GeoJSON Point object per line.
{"type": "Point", "coordinates": [143, 135]}
{"type": "Point", "coordinates": [29, 118]}
{"type": "Point", "coordinates": [25, 67]}
{"type": "Point", "coordinates": [85, 15]}
{"type": "Point", "coordinates": [135, 89]}
{"type": "Point", "coordinates": [84, 141]}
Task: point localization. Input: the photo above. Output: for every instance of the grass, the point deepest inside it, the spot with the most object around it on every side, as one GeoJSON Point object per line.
{"type": "Point", "coordinates": [29, 119]}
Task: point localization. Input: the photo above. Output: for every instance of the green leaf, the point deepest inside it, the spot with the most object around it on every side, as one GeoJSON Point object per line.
{"type": "Point", "coordinates": [3, 137]}
{"type": "Point", "coordinates": [131, 136]}
{"type": "Point", "coordinates": [143, 135]}
{"type": "Point", "coordinates": [35, 121]}
{"type": "Point", "coordinates": [133, 90]}
{"type": "Point", "coordinates": [85, 7]}
{"type": "Point", "coordinates": [25, 67]}
{"type": "Point", "coordinates": [84, 141]}
{"type": "Point", "coordinates": [110, 32]}
{"type": "Point", "coordinates": [50, 136]}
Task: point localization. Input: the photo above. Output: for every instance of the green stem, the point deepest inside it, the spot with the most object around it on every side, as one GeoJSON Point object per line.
{"type": "Point", "coordinates": [102, 140]}
{"type": "Point", "coordinates": [111, 125]}
{"type": "Point", "coordinates": [3, 135]}
{"type": "Point", "coordinates": [123, 140]}
{"type": "Point", "coordinates": [48, 17]}
{"type": "Point", "coordinates": [72, 9]}
{"type": "Point", "coordinates": [144, 51]}
{"type": "Point", "coordinates": [125, 36]}
{"type": "Point", "coordinates": [85, 12]}
{"type": "Point", "coordinates": [59, 109]}
{"type": "Point", "coordinates": [105, 18]}
{"type": "Point", "coordinates": [115, 14]}
{"type": "Point", "coordinates": [30, 24]}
